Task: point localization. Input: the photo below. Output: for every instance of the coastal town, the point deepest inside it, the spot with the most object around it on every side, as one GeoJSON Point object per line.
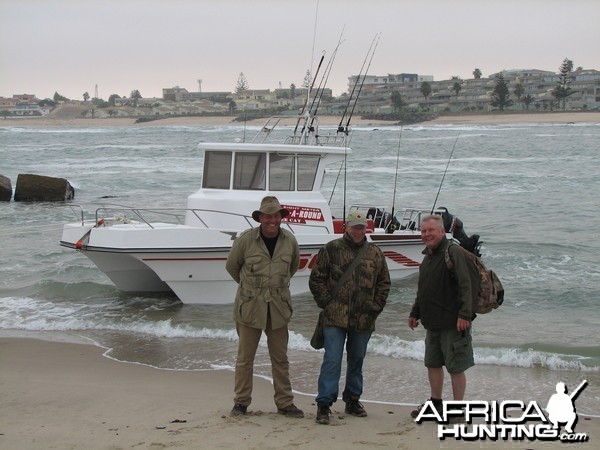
{"type": "Point", "coordinates": [382, 96]}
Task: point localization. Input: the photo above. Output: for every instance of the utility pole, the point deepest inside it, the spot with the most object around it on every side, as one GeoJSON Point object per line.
{"type": "Point", "coordinates": [199, 85]}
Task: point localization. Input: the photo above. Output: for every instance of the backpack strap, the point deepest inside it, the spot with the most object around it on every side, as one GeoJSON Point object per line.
{"type": "Point", "coordinates": [447, 257]}
{"type": "Point", "coordinates": [350, 269]}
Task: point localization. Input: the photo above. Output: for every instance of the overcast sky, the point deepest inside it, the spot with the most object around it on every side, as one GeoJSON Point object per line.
{"type": "Point", "coordinates": [72, 46]}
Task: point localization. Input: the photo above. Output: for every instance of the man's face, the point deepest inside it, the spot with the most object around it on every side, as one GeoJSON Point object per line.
{"type": "Point", "coordinates": [356, 233]}
{"type": "Point", "coordinates": [432, 233]}
{"type": "Point", "coordinates": [270, 223]}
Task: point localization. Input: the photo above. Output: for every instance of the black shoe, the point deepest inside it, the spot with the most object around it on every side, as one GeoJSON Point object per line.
{"type": "Point", "coordinates": [291, 411]}
{"type": "Point", "coordinates": [438, 406]}
{"type": "Point", "coordinates": [239, 410]}
{"type": "Point", "coordinates": [355, 408]}
{"type": "Point", "coordinates": [323, 412]}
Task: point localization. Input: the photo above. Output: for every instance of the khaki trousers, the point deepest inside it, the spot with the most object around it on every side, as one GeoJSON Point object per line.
{"type": "Point", "coordinates": [277, 342]}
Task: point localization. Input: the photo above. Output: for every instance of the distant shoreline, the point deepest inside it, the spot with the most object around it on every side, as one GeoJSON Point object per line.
{"type": "Point", "coordinates": [571, 117]}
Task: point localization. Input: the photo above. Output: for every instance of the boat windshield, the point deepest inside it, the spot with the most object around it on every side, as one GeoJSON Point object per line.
{"type": "Point", "coordinates": [252, 170]}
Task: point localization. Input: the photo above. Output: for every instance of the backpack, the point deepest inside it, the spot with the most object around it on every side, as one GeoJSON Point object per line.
{"type": "Point", "coordinates": [488, 292]}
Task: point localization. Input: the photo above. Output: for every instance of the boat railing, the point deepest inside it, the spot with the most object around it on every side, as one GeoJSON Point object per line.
{"type": "Point", "coordinates": [120, 214]}
{"type": "Point", "coordinates": [405, 218]}
{"type": "Point", "coordinates": [306, 132]}
{"type": "Point", "coordinates": [78, 211]}
{"type": "Point", "coordinates": [108, 215]}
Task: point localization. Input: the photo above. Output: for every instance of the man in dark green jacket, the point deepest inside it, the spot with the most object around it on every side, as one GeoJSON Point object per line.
{"type": "Point", "coordinates": [350, 314]}
{"type": "Point", "coordinates": [444, 306]}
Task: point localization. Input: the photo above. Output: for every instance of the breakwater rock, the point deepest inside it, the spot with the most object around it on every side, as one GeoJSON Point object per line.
{"type": "Point", "coordinates": [39, 188]}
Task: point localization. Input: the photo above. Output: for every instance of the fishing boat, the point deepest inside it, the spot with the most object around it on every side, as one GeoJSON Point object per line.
{"type": "Point", "coordinates": [184, 250]}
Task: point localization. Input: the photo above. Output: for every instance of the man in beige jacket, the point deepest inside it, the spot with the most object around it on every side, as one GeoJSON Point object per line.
{"type": "Point", "coordinates": [262, 261]}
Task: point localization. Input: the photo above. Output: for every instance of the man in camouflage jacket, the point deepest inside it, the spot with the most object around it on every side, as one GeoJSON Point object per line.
{"type": "Point", "coordinates": [350, 315]}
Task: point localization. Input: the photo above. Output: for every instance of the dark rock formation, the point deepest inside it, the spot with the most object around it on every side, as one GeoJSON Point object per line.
{"type": "Point", "coordinates": [38, 188]}
{"type": "Point", "coordinates": [5, 189]}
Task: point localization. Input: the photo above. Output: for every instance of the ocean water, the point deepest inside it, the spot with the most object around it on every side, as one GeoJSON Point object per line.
{"type": "Point", "coordinates": [530, 192]}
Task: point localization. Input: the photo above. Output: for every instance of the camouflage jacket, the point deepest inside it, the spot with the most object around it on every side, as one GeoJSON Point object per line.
{"type": "Point", "coordinates": [363, 296]}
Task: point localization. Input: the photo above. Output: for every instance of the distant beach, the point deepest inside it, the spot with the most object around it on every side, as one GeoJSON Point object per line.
{"type": "Point", "coordinates": [562, 118]}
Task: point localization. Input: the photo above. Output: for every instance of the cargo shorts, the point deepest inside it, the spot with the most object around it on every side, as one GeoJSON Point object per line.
{"type": "Point", "coordinates": [450, 348]}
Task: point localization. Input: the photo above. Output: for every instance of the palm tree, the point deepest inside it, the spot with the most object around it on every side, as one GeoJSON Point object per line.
{"type": "Point", "coordinates": [456, 87]}
{"type": "Point", "coordinates": [477, 74]}
{"type": "Point", "coordinates": [519, 91]}
{"type": "Point", "coordinates": [426, 91]}
{"type": "Point", "coordinates": [397, 101]}
{"type": "Point", "coordinates": [527, 100]}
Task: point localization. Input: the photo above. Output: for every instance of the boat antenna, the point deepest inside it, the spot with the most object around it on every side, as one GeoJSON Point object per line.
{"type": "Point", "coordinates": [371, 52]}
{"type": "Point", "coordinates": [444, 176]}
{"type": "Point", "coordinates": [396, 179]}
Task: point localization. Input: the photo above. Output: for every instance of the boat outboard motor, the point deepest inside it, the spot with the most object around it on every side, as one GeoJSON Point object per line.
{"type": "Point", "coordinates": [383, 219]}
{"type": "Point", "coordinates": [375, 215]}
{"type": "Point", "coordinates": [454, 225]}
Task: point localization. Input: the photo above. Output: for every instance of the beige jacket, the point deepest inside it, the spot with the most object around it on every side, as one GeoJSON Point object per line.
{"type": "Point", "coordinates": [263, 282]}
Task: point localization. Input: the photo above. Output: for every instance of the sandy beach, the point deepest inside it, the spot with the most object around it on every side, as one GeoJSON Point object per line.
{"type": "Point", "coordinates": [69, 396]}
{"type": "Point", "coordinates": [572, 117]}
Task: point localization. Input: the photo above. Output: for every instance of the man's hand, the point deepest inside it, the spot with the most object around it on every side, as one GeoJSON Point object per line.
{"type": "Point", "coordinates": [413, 323]}
{"type": "Point", "coordinates": [462, 324]}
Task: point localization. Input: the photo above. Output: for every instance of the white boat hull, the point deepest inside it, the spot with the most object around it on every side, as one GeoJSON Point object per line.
{"type": "Point", "coordinates": [198, 275]}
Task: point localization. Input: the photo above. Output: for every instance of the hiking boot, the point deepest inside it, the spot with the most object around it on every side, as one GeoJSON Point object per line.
{"type": "Point", "coordinates": [291, 411]}
{"type": "Point", "coordinates": [239, 410]}
{"type": "Point", "coordinates": [438, 406]}
{"type": "Point", "coordinates": [323, 412]}
{"type": "Point", "coordinates": [355, 408]}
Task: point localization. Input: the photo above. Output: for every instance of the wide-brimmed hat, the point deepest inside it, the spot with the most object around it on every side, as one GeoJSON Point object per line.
{"type": "Point", "coordinates": [269, 205]}
{"type": "Point", "coordinates": [356, 218]}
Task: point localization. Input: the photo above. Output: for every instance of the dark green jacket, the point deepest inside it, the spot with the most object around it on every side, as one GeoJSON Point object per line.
{"type": "Point", "coordinates": [363, 296]}
{"type": "Point", "coordinates": [443, 295]}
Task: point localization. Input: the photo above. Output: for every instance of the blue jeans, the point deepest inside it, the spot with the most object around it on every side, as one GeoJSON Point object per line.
{"type": "Point", "coordinates": [331, 368]}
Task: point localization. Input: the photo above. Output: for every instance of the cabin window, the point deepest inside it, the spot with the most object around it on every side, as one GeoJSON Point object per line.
{"type": "Point", "coordinates": [281, 173]}
{"type": "Point", "coordinates": [217, 170]}
{"type": "Point", "coordinates": [307, 171]}
{"type": "Point", "coordinates": [249, 171]}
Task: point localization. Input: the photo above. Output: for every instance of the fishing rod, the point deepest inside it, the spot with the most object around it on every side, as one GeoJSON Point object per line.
{"type": "Point", "coordinates": [444, 176]}
{"type": "Point", "coordinates": [362, 83]}
{"type": "Point", "coordinates": [312, 55]}
{"type": "Point", "coordinates": [303, 111]}
{"type": "Point", "coordinates": [340, 126]}
{"type": "Point", "coordinates": [324, 79]}
{"type": "Point", "coordinates": [396, 178]}
{"type": "Point", "coordinates": [312, 111]}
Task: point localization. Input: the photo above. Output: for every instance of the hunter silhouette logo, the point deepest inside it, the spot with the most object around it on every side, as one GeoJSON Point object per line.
{"type": "Point", "coordinates": [561, 406]}
{"type": "Point", "coordinates": [471, 420]}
